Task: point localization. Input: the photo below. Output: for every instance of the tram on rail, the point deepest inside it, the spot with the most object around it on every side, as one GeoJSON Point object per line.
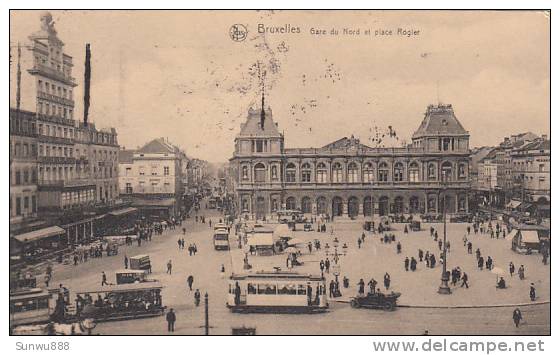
{"type": "Point", "coordinates": [277, 292]}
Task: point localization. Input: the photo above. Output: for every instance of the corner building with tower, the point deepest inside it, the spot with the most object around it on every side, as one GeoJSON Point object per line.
{"type": "Point", "coordinates": [347, 178]}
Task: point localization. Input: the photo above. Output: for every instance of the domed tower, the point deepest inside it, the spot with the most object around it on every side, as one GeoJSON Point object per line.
{"type": "Point", "coordinates": [259, 134]}
{"type": "Point", "coordinates": [441, 131]}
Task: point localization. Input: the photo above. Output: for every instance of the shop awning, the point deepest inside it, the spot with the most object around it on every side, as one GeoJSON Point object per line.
{"type": "Point", "coordinates": [260, 240]}
{"type": "Point", "coordinates": [513, 204]}
{"type": "Point", "coordinates": [530, 237]}
{"type": "Point", "coordinates": [123, 211]}
{"type": "Point", "coordinates": [40, 234]}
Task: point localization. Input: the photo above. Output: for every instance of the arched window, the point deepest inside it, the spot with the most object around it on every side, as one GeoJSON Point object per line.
{"type": "Point", "coordinates": [462, 173]}
{"type": "Point", "coordinates": [446, 171]}
{"type": "Point", "coordinates": [413, 172]}
{"type": "Point", "coordinates": [245, 205]}
{"type": "Point", "coordinates": [368, 172]}
{"type": "Point", "coordinates": [432, 204]}
{"type": "Point", "coordinates": [291, 203]}
{"type": "Point", "coordinates": [244, 173]}
{"type": "Point", "coordinates": [432, 172]}
{"type": "Point", "coordinates": [260, 173]}
{"type": "Point", "coordinates": [290, 173]}
{"type": "Point", "coordinates": [306, 173]}
{"type": "Point", "coordinates": [337, 173]}
{"type": "Point", "coordinates": [306, 205]}
{"type": "Point", "coordinates": [353, 172]}
{"type": "Point", "coordinates": [274, 172]}
{"type": "Point", "coordinates": [383, 172]}
{"type": "Point", "coordinates": [398, 172]}
{"type": "Point", "coordinates": [321, 173]}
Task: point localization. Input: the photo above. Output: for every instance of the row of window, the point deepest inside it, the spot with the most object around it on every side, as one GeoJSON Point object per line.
{"type": "Point", "coordinates": [397, 206]}
{"type": "Point", "coordinates": [23, 176]}
{"type": "Point", "coordinates": [20, 125]}
{"type": "Point", "coordinates": [53, 130]}
{"type": "Point", "coordinates": [53, 89]}
{"type": "Point", "coordinates": [22, 149]}
{"type": "Point", "coordinates": [352, 173]}
{"type": "Point", "coordinates": [24, 205]}
{"type": "Point", "coordinates": [52, 109]}
{"type": "Point", "coordinates": [141, 171]}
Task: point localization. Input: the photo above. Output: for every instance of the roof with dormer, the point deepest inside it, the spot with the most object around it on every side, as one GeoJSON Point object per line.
{"type": "Point", "coordinates": [440, 120]}
{"type": "Point", "coordinates": [252, 126]}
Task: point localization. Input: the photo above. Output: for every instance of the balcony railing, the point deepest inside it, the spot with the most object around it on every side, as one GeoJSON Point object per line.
{"type": "Point", "coordinates": [66, 183]}
{"type": "Point", "coordinates": [56, 160]}
{"type": "Point", "coordinates": [56, 119]}
{"type": "Point", "coordinates": [52, 73]}
{"type": "Point", "coordinates": [355, 185]}
{"type": "Point", "coordinates": [55, 140]}
{"type": "Point", "coordinates": [57, 99]}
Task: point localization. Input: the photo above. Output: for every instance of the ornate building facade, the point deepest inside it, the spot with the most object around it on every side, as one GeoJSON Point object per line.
{"type": "Point", "coordinates": [349, 178]}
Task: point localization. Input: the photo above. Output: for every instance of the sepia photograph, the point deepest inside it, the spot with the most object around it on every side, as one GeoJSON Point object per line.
{"type": "Point", "coordinates": [280, 172]}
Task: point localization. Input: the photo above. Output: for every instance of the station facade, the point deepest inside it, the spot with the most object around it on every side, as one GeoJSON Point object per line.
{"type": "Point", "coordinates": [347, 178]}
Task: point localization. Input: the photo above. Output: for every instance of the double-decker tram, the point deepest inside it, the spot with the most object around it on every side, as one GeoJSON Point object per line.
{"type": "Point", "coordinates": [277, 292]}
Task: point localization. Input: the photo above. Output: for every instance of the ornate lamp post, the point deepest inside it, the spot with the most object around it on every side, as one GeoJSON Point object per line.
{"type": "Point", "coordinates": [444, 287]}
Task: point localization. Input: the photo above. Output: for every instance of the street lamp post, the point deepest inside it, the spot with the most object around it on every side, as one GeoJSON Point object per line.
{"type": "Point", "coordinates": [444, 287]}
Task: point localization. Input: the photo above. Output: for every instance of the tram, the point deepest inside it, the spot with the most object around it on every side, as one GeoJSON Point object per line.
{"type": "Point", "coordinates": [221, 239]}
{"type": "Point", "coordinates": [29, 306]}
{"type": "Point", "coordinates": [124, 301]}
{"type": "Point", "coordinates": [277, 292]}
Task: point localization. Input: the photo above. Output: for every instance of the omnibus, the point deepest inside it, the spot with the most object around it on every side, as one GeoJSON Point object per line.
{"type": "Point", "coordinates": [29, 306]}
{"type": "Point", "coordinates": [277, 292]}
{"type": "Point", "coordinates": [221, 239]}
{"type": "Point", "coordinates": [120, 302]}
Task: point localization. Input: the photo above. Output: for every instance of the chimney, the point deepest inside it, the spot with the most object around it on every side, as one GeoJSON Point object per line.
{"type": "Point", "coordinates": [87, 78]}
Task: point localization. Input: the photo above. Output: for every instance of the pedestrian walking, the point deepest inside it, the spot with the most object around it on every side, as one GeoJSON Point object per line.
{"type": "Point", "coordinates": [521, 272]}
{"type": "Point", "coordinates": [387, 280]}
{"type": "Point", "coordinates": [517, 317]}
{"type": "Point", "coordinates": [327, 265]}
{"type": "Point", "coordinates": [322, 266]}
{"type": "Point", "coordinates": [359, 243]}
{"type": "Point", "coordinates": [125, 261]}
{"type": "Point", "coordinates": [413, 264]}
{"type": "Point", "coordinates": [171, 318]}
{"type": "Point", "coordinates": [406, 263]}
{"type": "Point", "coordinates": [190, 281]}
{"type": "Point", "coordinates": [511, 269]}
{"type": "Point", "coordinates": [197, 297]}
{"type": "Point", "coordinates": [532, 292]}
{"type": "Point", "coordinates": [103, 278]}
{"type": "Point", "coordinates": [465, 280]}
{"type": "Point", "coordinates": [420, 254]}
{"type": "Point", "coordinates": [469, 248]}
{"type": "Point", "coordinates": [169, 266]}
{"type": "Point", "coordinates": [399, 247]}
{"type": "Point", "coordinates": [310, 247]}
{"type": "Point", "coordinates": [179, 243]}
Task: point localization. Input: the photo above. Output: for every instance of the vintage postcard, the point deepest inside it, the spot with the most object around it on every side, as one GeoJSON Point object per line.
{"type": "Point", "coordinates": [304, 172]}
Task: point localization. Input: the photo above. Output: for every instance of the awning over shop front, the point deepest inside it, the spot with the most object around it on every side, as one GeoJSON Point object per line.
{"type": "Point", "coordinates": [513, 204]}
{"type": "Point", "coordinates": [123, 211]}
{"type": "Point", "coordinates": [39, 234]}
{"type": "Point", "coordinates": [530, 236]}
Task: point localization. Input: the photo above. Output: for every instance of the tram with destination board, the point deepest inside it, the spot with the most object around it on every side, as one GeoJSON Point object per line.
{"type": "Point", "coordinates": [277, 292]}
{"type": "Point", "coordinates": [221, 239]}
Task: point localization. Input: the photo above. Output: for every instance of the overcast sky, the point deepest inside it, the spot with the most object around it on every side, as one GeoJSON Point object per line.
{"type": "Point", "coordinates": [178, 74]}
